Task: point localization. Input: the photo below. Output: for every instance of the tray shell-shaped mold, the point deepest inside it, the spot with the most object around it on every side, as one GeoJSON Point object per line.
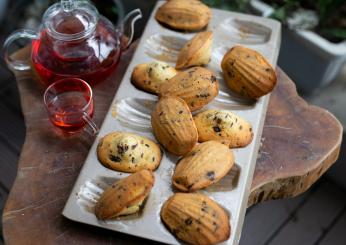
{"type": "Point", "coordinates": [244, 31]}
{"type": "Point", "coordinates": [131, 110]}
{"type": "Point", "coordinates": [164, 48]}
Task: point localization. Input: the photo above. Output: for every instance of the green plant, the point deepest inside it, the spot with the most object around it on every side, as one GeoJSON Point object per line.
{"type": "Point", "coordinates": [234, 5]}
{"type": "Point", "coordinates": [331, 15]}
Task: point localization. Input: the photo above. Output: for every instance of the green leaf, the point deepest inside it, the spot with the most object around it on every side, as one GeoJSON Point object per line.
{"type": "Point", "coordinates": [334, 32]}
{"type": "Point", "coordinates": [279, 14]}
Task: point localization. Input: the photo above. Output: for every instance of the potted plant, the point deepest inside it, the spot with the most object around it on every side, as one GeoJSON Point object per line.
{"type": "Point", "coordinates": [314, 41]}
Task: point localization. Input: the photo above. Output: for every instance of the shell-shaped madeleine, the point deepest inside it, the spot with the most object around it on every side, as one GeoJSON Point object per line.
{"type": "Point", "coordinates": [223, 126]}
{"type": "Point", "coordinates": [173, 125]}
{"type": "Point", "coordinates": [206, 164]}
{"type": "Point", "coordinates": [185, 15]}
{"type": "Point", "coordinates": [196, 52]}
{"type": "Point", "coordinates": [247, 72]}
{"type": "Point", "coordinates": [195, 219]}
{"type": "Point", "coordinates": [197, 86]}
{"type": "Point", "coordinates": [128, 152]}
{"type": "Point", "coordinates": [150, 76]}
{"type": "Point", "coordinates": [125, 196]}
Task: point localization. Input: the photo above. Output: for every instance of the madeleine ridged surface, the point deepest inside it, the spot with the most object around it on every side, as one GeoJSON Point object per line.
{"type": "Point", "coordinates": [125, 196]}
{"type": "Point", "coordinates": [223, 126]}
{"type": "Point", "coordinates": [206, 164]}
{"type": "Point", "coordinates": [185, 15]}
{"type": "Point", "coordinates": [197, 86]}
{"type": "Point", "coordinates": [173, 125]}
{"type": "Point", "coordinates": [150, 76]}
{"type": "Point", "coordinates": [247, 72]}
{"type": "Point", "coordinates": [128, 152]}
{"type": "Point", "coordinates": [196, 52]}
{"type": "Point", "coordinates": [196, 219]}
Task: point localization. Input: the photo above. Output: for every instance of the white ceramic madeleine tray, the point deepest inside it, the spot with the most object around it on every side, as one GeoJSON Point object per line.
{"type": "Point", "coordinates": [130, 111]}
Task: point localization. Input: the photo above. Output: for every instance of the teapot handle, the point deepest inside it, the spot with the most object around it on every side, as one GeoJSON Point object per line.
{"type": "Point", "coordinates": [128, 27]}
{"type": "Point", "coordinates": [14, 62]}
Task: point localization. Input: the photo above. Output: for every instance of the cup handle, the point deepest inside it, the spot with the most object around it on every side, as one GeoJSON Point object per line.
{"type": "Point", "coordinates": [20, 65]}
{"type": "Point", "coordinates": [92, 129]}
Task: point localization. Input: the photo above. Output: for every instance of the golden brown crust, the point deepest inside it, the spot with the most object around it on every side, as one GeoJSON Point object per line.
{"type": "Point", "coordinates": [223, 126]}
{"type": "Point", "coordinates": [196, 219]}
{"type": "Point", "coordinates": [197, 86]}
{"type": "Point", "coordinates": [190, 15]}
{"type": "Point", "coordinates": [205, 165]}
{"type": "Point", "coordinates": [128, 152]}
{"type": "Point", "coordinates": [150, 76]}
{"type": "Point", "coordinates": [173, 125]}
{"type": "Point", "coordinates": [196, 52]}
{"type": "Point", "coordinates": [125, 196]}
{"type": "Point", "coordinates": [247, 72]}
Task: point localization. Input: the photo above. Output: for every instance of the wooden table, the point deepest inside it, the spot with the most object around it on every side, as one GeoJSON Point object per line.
{"type": "Point", "coordinates": [299, 143]}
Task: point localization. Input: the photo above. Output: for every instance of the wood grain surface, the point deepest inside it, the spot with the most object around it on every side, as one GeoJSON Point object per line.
{"type": "Point", "coordinates": [299, 143]}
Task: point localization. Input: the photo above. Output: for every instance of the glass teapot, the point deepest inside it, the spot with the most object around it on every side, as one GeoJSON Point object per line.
{"type": "Point", "coordinates": [74, 40]}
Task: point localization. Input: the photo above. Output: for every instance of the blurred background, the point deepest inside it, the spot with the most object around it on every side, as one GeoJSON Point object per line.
{"type": "Point", "coordinates": [313, 54]}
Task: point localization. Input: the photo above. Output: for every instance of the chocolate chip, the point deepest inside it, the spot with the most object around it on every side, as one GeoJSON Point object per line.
{"type": "Point", "coordinates": [180, 112]}
{"type": "Point", "coordinates": [147, 145]}
{"type": "Point", "coordinates": [213, 79]}
{"type": "Point", "coordinates": [114, 158]}
{"type": "Point", "coordinates": [216, 129]}
{"type": "Point", "coordinates": [188, 221]}
{"type": "Point", "coordinates": [122, 149]}
{"type": "Point", "coordinates": [134, 146]}
{"type": "Point", "coordinates": [211, 175]}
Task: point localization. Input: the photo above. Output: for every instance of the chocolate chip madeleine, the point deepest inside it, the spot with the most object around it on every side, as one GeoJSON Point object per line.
{"type": "Point", "coordinates": [206, 164]}
{"type": "Point", "coordinates": [223, 126]}
{"type": "Point", "coordinates": [247, 72]}
{"type": "Point", "coordinates": [184, 15]}
{"type": "Point", "coordinates": [197, 86]}
{"type": "Point", "coordinates": [196, 52]}
{"type": "Point", "coordinates": [125, 196]}
{"type": "Point", "coordinates": [195, 219]}
{"type": "Point", "coordinates": [150, 76]}
{"type": "Point", "coordinates": [128, 152]}
{"type": "Point", "coordinates": [173, 125]}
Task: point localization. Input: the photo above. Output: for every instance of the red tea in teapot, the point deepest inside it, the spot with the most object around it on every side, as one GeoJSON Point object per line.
{"type": "Point", "coordinates": [91, 58]}
{"type": "Point", "coordinates": [74, 41]}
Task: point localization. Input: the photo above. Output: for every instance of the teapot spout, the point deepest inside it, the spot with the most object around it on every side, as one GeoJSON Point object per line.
{"type": "Point", "coordinates": [128, 27]}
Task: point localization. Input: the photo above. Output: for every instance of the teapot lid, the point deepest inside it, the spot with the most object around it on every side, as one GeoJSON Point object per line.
{"type": "Point", "coordinates": [71, 19]}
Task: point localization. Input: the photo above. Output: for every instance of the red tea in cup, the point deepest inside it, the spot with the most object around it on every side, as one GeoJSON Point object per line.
{"type": "Point", "coordinates": [69, 103]}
